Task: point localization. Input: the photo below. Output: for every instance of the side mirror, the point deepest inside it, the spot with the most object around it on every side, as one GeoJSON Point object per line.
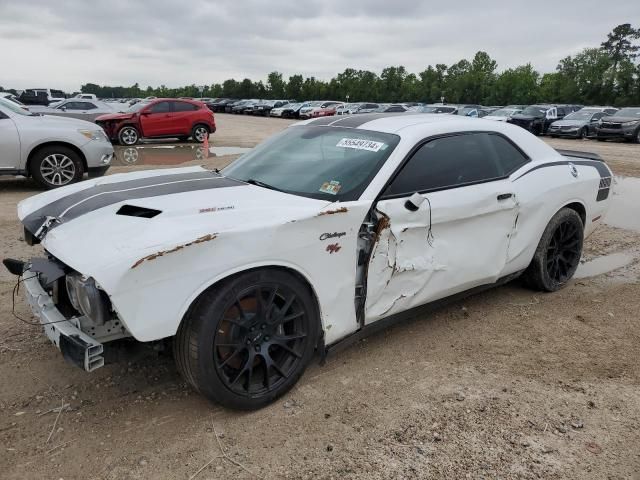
{"type": "Point", "coordinates": [63, 108]}
{"type": "Point", "coordinates": [414, 202]}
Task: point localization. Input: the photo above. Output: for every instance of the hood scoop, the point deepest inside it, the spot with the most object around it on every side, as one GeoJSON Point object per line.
{"type": "Point", "coordinates": [134, 211]}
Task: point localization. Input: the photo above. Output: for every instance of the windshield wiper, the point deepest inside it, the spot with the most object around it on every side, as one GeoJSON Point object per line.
{"type": "Point", "coordinates": [258, 183]}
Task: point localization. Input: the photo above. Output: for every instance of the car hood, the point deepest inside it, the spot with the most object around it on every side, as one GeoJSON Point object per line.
{"type": "Point", "coordinates": [569, 123]}
{"type": "Point", "coordinates": [55, 121]}
{"type": "Point", "coordinates": [115, 116]}
{"type": "Point", "coordinates": [619, 119]}
{"type": "Point", "coordinates": [124, 217]}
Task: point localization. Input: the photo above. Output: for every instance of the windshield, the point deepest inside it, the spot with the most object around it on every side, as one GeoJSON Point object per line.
{"type": "Point", "coordinates": [136, 107]}
{"type": "Point", "coordinates": [535, 111]}
{"type": "Point", "coordinates": [15, 108]}
{"type": "Point", "coordinates": [580, 115]}
{"type": "Point", "coordinates": [325, 163]}
{"type": "Point", "coordinates": [628, 112]}
{"type": "Point", "coordinates": [292, 105]}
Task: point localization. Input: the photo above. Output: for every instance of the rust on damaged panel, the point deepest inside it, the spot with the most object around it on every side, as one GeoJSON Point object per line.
{"type": "Point", "coordinates": [153, 256]}
{"type": "Point", "coordinates": [333, 212]}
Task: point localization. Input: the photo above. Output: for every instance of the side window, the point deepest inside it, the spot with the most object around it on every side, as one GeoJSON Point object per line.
{"type": "Point", "coordinates": [184, 107]}
{"type": "Point", "coordinates": [597, 116]}
{"type": "Point", "coordinates": [160, 107]}
{"type": "Point", "coordinates": [88, 106]}
{"type": "Point", "coordinates": [448, 162]}
{"type": "Point", "coordinates": [561, 112]}
{"type": "Point", "coordinates": [509, 157]}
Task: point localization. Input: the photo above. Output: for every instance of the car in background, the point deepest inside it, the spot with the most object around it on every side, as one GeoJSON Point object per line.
{"type": "Point", "coordinates": [86, 96]}
{"type": "Point", "coordinates": [218, 104]}
{"type": "Point", "coordinates": [264, 108]}
{"type": "Point", "coordinates": [355, 108]}
{"type": "Point", "coordinates": [434, 108]}
{"type": "Point", "coordinates": [503, 114]}
{"type": "Point", "coordinates": [291, 110]}
{"type": "Point", "coordinates": [624, 124]}
{"type": "Point", "coordinates": [580, 124]}
{"type": "Point", "coordinates": [54, 151]}
{"type": "Point", "coordinates": [391, 108]}
{"type": "Point", "coordinates": [87, 110]}
{"type": "Point", "coordinates": [31, 97]}
{"type": "Point", "coordinates": [538, 118]}
{"type": "Point", "coordinates": [325, 111]}
{"type": "Point", "coordinates": [469, 111]}
{"type": "Point", "coordinates": [243, 105]}
{"type": "Point", "coordinates": [308, 112]}
{"type": "Point", "coordinates": [160, 118]}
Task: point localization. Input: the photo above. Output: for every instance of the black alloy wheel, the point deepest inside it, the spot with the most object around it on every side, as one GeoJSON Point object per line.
{"type": "Point", "coordinates": [557, 256]}
{"type": "Point", "coordinates": [247, 341]}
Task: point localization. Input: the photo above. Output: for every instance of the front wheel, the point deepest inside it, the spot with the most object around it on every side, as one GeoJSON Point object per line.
{"type": "Point", "coordinates": [558, 254]}
{"type": "Point", "coordinates": [247, 341]}
{"type": "Point", "coordinates": [56, 166]}
{"type": "Point", "coordinates": [200, 133]}
{"type": "Point", "coordinates": [583, 133]}
{"type": "Point", "coordinates": [128, 136]}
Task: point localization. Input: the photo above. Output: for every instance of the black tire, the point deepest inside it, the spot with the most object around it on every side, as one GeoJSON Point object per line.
{"type": "Point", "coordinates": [558, 254]}
{"type": "Point", "coordinates": [199, 132]}
{"type": "Point", "coordinates": [636, 138]}
{"type": "Point", "coordinates": [56, 166]}
{"type": "Point", "coordinates": [128, 136]}
{"type": "Point", "coordinates": [246, 342]}
{"type": "Point", "coordinates": [583, 133]}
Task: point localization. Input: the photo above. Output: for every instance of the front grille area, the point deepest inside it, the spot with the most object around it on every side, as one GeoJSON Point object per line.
{"type": "Point", "coordinates": [610, 125]}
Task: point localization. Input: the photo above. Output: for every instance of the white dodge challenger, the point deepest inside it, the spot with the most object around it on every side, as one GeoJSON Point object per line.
{"type": "Point", "coordinates": [322, 234]}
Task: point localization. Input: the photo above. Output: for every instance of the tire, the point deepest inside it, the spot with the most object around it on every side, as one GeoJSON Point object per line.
{"type": "Point", "coordinates": [128, 136]}
{"type": "Point", "coordinates": [199, 132]}
{"type": "Point", "coordinates": [247, 341]}
{"type": "Point", "coordinates": [558, 254]}
{"type": "Point", "coordinates": [56, 166]}
{"type": "Point", "coordinates": [637, 136]}
{"type": "Point", "coordinates": [583, 133]}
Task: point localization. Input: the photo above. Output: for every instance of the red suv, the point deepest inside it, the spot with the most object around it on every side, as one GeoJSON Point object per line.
{"type": "Point", "coordinates": [159, 118]}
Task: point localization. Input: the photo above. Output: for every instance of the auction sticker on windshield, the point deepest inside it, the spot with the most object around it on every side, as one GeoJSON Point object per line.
{"type": "Point", "coordinates": [360, 144]}
{"type": "Point", "coordinates": [332, 187]}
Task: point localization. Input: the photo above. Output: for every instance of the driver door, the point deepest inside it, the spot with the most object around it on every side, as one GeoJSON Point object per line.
{"type": "Point", "coordinates": [458, 236]}
{"type": "Point", "coordinates": [157, 120]}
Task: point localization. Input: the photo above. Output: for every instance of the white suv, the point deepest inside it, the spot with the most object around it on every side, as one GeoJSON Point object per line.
{"type": "Point", "coordinates": [55, 151]}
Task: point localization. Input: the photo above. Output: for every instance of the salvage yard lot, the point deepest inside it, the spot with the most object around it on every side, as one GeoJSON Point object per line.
{"type": "Point", "coordinates": [505, 384]}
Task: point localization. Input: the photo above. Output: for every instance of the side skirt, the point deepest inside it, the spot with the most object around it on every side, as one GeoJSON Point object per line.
{"type": "Point", "coordinates": [388, 322]}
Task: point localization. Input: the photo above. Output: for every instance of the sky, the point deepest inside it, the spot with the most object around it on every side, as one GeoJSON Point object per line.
{"type": "Point", "coordinates": [66, 43]}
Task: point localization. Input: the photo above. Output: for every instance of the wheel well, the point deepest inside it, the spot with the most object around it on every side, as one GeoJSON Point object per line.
{"type": "Point", "coordinates": [580, 210]}
{"type": "Point", "coordinates": [51, 144]}
{"type": "Point", "coordinates": [291, 271]}
{"type": "Point", "coordinates": [201, 123]}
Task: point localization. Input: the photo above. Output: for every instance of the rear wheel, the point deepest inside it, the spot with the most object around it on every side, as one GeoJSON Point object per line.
{"type": "Point", "coordinates": [200, 133]}
{"type": "Point", "coordinates": [558, 254]}
{"type": "Point", "coordinates": [637, 137]}
{"type": "Point", "coordinates": [247, 341]}
{"type": "Point", "coordinates": [56, 166]}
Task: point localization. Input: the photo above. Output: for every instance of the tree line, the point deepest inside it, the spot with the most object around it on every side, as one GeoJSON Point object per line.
{"type": "Point", "coordinates": [606, 75]}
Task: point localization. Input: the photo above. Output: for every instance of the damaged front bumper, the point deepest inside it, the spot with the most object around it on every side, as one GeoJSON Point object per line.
{"type": "Point", "coordinates": [76, 346]}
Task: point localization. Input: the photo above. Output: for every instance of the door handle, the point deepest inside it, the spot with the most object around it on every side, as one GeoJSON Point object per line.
{"type": "Point", "coordinates": [504, 196]}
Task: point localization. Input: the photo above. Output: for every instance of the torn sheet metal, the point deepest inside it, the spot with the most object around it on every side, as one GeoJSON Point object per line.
{"type": "Point", "coordinates": [153, 256]}
{"type": "Point", "coordinates": [421, 256]}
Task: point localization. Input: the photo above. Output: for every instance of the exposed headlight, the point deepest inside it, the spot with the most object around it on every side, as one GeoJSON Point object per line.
{"type": "Point", "coordinates": [87, 298]}
{"type": "Point", "coordinates": [600, 122]}
{"type": "Point", "coordinates": [97, 135]}
{"type": "Point", "coordinates": [631, 123]}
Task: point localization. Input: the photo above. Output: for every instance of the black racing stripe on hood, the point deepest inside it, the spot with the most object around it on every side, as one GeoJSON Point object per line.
{"type": "Point", "coordinates": [100, 196]}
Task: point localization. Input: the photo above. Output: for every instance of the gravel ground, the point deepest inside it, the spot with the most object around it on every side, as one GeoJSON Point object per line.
{"type": "Point", "coordinates": [505, 384]}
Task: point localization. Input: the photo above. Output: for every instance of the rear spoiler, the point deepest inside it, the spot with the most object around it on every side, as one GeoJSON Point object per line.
{"type": "Point", "coordinates": [576, 154]}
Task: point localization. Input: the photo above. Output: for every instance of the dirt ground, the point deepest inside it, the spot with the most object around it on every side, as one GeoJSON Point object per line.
{"type": "Point", "coordinates": [505, 384]}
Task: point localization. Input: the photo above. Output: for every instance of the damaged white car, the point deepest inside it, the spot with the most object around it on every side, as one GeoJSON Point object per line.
{"type": "Point", "coordinates": [322, 234]}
